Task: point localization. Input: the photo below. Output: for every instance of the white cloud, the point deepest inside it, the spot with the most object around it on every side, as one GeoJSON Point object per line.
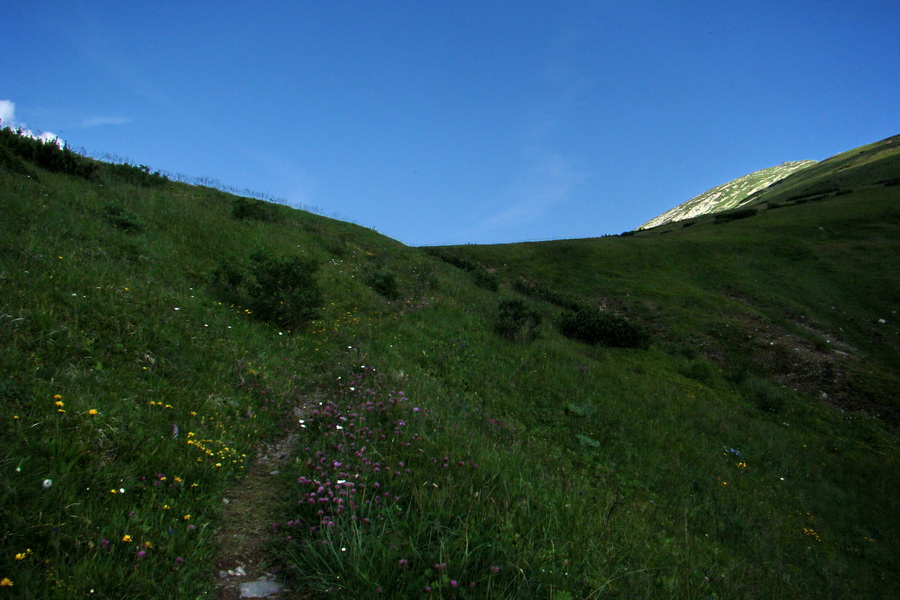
{"type": "Point", "coordinates": [7, 113]}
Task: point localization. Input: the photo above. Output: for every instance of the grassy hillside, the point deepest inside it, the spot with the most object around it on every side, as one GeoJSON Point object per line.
{"type": "Point", "coordinates": [453, 442]}
{"type": "Point", "coordinates": [805, 295]}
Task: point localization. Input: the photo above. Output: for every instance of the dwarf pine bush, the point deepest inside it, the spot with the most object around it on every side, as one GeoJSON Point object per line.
{"type": "Point", "coordinates": [516, 321]}
{"type": "Point", "coordinates": [594, 326]}
{"type": "Point", "coordinates": [44, 153]}
{"type": "Point", "coordinates": [247, 209]}
{"type": "Point", "coordinates": [485, 279]}
{"type": "Point", "coordinates": [384, 282]}
{"type": "Point", "coordinates": [283, 290]}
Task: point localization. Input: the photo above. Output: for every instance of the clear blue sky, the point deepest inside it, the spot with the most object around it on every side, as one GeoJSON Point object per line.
{"type": "Point", "coordinates": [457, 122]}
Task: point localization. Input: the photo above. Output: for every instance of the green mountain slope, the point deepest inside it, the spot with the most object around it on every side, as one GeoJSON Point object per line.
{"type": "Point", "coordinates": [448, 438]}
{"type": "Point", "coordinates": [728, 195]}
{"type": "Point", "coordinates": [821, 272]}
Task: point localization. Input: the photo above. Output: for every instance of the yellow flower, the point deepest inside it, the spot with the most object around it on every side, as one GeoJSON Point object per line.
{"type": "Point", "coordinates": [126, 538]}
{"type": "Point", "coordinates": [186, 517]}
{"type": "Point", "coordinates": [57, 397]}
{"type": "Point", "coordinates": [93, 411]}
{"type": "Point", "coordinates": [6, 582]}
{"type": "Point", "coordinates": [148, 545]}
{"type": "Point", "coordinates": [59, 403]}
{"type": "Point", "coordinates": [20, 556]}
{"type": "Point", "coordinates": [165, 507]}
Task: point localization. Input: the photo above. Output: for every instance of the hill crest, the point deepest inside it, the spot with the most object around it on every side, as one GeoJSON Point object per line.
{"type": "Point", "coordinates": [728, 195]}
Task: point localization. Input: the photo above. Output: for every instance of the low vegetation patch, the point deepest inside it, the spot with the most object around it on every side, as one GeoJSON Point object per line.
{"type": "Point", "coordinates": [734, 215]}
{"type": "Point", "coordinates": [516, 321]}
{"type": "Point", "coordinates": [384, 282]}
{"type": "Point", "coordinates": [249, 209]}
{"type": "Point", "coordinates": [595, 326]}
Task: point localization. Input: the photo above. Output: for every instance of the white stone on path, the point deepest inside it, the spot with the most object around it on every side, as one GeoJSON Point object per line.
{"type": "Point", "coordinates": [260, 589]}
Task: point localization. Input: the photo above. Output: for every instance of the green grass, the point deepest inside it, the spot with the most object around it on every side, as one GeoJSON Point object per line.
{"type": "Point", "coordinates": [532, 467]}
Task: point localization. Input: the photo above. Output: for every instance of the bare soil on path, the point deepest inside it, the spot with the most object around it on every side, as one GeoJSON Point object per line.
{"type": "Point", "coordinates": [249, 511]}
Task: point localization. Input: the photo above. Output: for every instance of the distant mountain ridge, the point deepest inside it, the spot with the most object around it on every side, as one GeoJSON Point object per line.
{"type": "Point", "coordinates": [728, 195]}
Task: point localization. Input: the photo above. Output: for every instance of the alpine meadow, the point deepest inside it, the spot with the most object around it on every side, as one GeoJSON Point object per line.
{"type": "Point", "coordinates": [200, 390]}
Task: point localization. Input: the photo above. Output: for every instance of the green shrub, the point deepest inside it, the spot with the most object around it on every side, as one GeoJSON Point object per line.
{"type": "Point", "coordinates": [485, 279]}
{"type": "Point", "coordinates": [283, 291]}
{"type": "Point", "coordinates": [734, 215]}
{"type": "Point", "coordinates": [384, 282]}
{"type": "Point", "coordinates": [452, 259]}
{"type": "Point", "coordinates": [47, 154]}
{"type": "Point", "coordinates": [247, 209]}
{"type": "Point", "coordinates": [594, 326]}
{"type": "Point", "coordinates": [227, 281]}
{"type": "Point", "coordinates": [12, 161]}
{"type": "Point", "coordinates": [515, 321]}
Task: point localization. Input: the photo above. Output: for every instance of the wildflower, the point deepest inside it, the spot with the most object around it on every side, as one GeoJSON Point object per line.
{"type": "Point", "coordinates": [47, 483]}
{"type": "Point", "coordinates": [126, 538]}
{"type": "Point", "coordinates": [57, 397]}
{"type": "Point", "coordinates": [179, 560]}
{"type": "Point", "coordinates": [59, 403]}
{"type": "Point", "coordinates": [6, 582]}
{"type": "Point", "coordinates": [495, 569]}
{"type": "Point", "coordinates": [93, 412]}
{"type": "Point", "coordinates": [20, 556]}
{"type": "Point", "coordinates": [148, 545]}
{"type": "Point", "coordinates": [453, 583]}
{"type": "Point", "coordinates": [141, 553]}
{"type": "Point", "coordinates": [186, 517]}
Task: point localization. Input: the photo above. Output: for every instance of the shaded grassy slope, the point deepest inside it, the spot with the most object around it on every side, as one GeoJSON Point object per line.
{"type": "Point", "coordinates": [806, 294]}
{"type": "Point", "coordinates": [543, 468]}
